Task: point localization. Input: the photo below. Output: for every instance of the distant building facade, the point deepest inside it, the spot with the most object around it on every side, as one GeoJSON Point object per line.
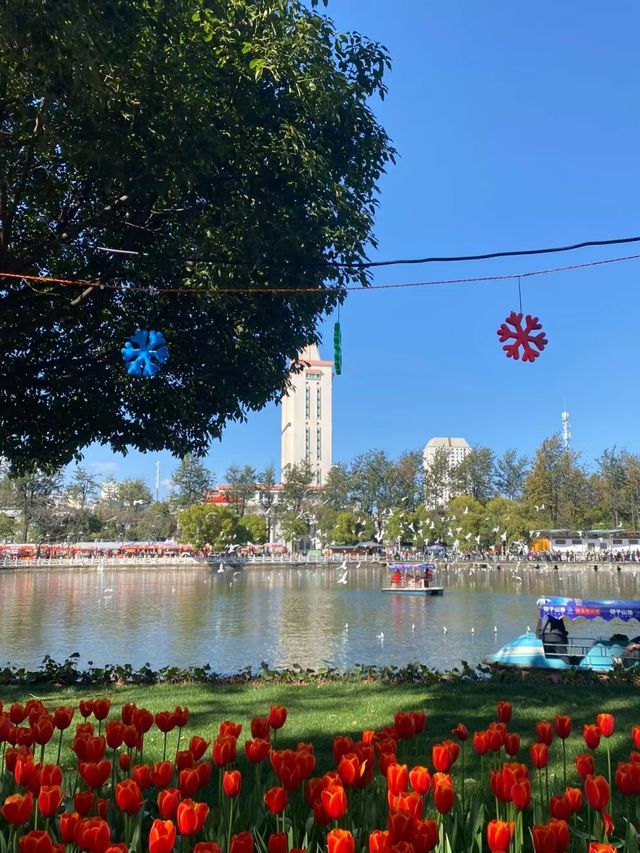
{"type": "Point", "coordinates": [307, 416]}
{"type": "Point", "coordinates": [454, 450]}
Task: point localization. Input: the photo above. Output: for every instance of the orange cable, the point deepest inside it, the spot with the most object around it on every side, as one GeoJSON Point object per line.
{"type": "Point", "coordinates": [307, 290]}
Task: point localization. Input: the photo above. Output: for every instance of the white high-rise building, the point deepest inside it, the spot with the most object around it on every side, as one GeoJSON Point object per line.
{"type": "Point", "coordinates": [307, 415]}
{"type": "Point", "coordinates": [456, 450]}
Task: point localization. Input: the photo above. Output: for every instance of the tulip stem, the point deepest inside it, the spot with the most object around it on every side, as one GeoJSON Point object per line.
{"type": "Point", "coordinates": [59, 748]}
{"type": "Point", "coordinates": [564, 761]}
{"type": "Point", "coordinates": [541, 796]}
{"type": "Point", "coordinates": [230, 823]}
{"type": "Point", "coordinates": [609, 762]}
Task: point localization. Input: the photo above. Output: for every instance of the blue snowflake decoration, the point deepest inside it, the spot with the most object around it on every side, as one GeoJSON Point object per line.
{"type": "Point", "coordinates": [145, 352]}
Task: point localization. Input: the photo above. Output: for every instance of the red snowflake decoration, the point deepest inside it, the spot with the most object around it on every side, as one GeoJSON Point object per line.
{"type": "Point", "coordinates": [532, 345]}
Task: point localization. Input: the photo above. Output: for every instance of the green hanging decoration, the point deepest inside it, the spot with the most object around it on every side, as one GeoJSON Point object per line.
{"type": "Point", "coordinates": [337, 349]}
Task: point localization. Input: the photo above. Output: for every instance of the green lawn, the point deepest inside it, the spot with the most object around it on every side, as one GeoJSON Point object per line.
{"type": "Point", "coordinates": [317, 712]}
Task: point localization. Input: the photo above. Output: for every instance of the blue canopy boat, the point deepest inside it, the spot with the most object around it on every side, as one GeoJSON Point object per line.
{"type": "Point", "coordinates": [412, 579]}
{"type": "Point", "coordinates": [550, 647]}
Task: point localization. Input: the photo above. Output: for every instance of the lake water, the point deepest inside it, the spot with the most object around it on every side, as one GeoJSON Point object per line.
{"type": "Point", "coordinates": [190, 616]}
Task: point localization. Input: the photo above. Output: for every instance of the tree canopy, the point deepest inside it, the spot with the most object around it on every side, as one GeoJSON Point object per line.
{"type": "Point", "coordinates": [230, 151]}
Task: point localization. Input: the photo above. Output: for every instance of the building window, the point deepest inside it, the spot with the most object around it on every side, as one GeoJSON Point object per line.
{"type": "Point", "coordinates": [318, 402]}
{"type": "Point", "coordinates": [318, 477]}
{"type": "Point", "coordinates": [307, 444]}
{"type": "Point", "coordinates": [318, 445]}
{"type": "Point", "coordinates": [307, 402]}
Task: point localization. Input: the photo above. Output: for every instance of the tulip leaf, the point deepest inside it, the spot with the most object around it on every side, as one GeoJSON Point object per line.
{"type": "Point", "coordinates": [631, 838]}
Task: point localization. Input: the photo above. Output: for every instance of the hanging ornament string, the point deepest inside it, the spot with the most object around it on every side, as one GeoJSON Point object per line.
{"type": "Point", "coordinates": [512, 334]}
{"type": "Point", "coordinates": [520, 294]}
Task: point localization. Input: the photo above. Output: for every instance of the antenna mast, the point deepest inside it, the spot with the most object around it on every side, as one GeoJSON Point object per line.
{"type": "Point", "coordinates": [566, 430]}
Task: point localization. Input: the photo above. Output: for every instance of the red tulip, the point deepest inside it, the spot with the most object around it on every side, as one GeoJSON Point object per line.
{"type": "Point", "coordinates": [441, 757]}
{"type": "Point", "coordinates": [443, 792]}
{"type": "Point", "coordinates": [229, 727]}
{"type": "Point", "coordinates": [350, 769]}
{"type": "Point", "coordinates": [544, 732]}
{"type": "Point", "coordinates": [241, 843]}
{"type": "Point", "coordinates": [419, 721]}
{"type": "Point", "coordinates": [563, 726]}
{"type": "Point", "coordinates": [128, 797]}
{"type": "Point", "coordinates": [480, 742]}
{"type": "Point", "coordinates": [166, 721]}
{"type": "Point", "coordinates": [211, 847]}
{"type": "Point", "coordinates": [342, 745]}
{"type": "Point", "coordinates": [182, 716]}
{"type": "Point", "coordinates": [591, 735]}
{"type": "Point", "coordinates": [101, 708]}
{"type": "Point", "coordinates": [504, 712]}
{"type": "Point", "coordinates": [188, 782]}
{"type": "Point", "coordinates": [276, 800]}
{"type": "Point", "coordinates": [278, 843]}
{"type": "Point", "coordinates": [496, 734]}
{"type": "Point", "coordinates": [544, 840]}
{"type": "Point", "coordinates": [161, 774]}
{"type": "Point", "coordinates": [198, 747]}
{"type": "Point", "coordinates": [95, 773]}
{"type": "Point", "coordinates": [460, 731]}
{"type": "Point", "coordinates": [68, 824]}
{"type": "Point", "coordinates": [596, 847]}
{"type": "Point", "coordinates": [83, 802]}
{"type": "Point", "coordinates": [606, 723]}
{"type": "Point", "coordinates": [141, 775]}
{"type": "Point", "coordinates": [512, 743]}
{"type": "Point", "coordinates": [49, 800]}
{"type": "Point", "coordinates": [62, 717]}
{"type": "Point", "coordinates": [86, 707]}
{"type": "Point", "coordinates": [596, 789]}
{"type": "Point", "coordinates": [405, 725]}
{"type": "Point", "coordinates": [340, 841]}
{"type": "Point", "coordinates": [92, 834]}
{"type": "Point", "coordinates": [17, 809]}
{"type": "Point", "coordinates": [168, 802]}
{"type": "Point", "coordinates": [539, 755]}
{"type": "Point", "coordinates": [560, 832]}
{"type": "Point", "coordinates": [635, 736]}
{"type": "Point", "coordinates": [585, 765]}
{"type": "Point", "coordinates": [397, 778]}
{"type": "Point", "coordinates": [43, 729]}
{"type": "Point", "coordinates": [191, 817]}
{"type": "Point", "coordinates": [574, 798]}
{"type": "Point", "coordinates": [499, 834]}
{"type": "Point", "coordinates": [184, 760]}
{"type": "Point", "coordinates": [334, 801]}
{"type": "Point", "coordinates": [260, 728]}
{"type": "Point", "coordinates": [257, 750]}
{"type": "Point", "coordinates": [232, 782]}
{"type": "Point", "coordinates": [114, 733]}
{"type": "Point", "coordinates": [224, 750]}
{"type": "Point", "coordinates": [379, 841]}
{"type": "Point", "coordinates": [51, 774]}
{"type": "Point", "coordinates": [560, 807]}
{"type": "Point", "coordinates": [162, 836]}
{"type": "Point", "coordinates": [425, 836]}
{"type": "Point", "coordinates": [277, 716]}
{"type": "Point", "coordinates": [521, 794]}
{"type": "Point", "coordinates": [420, 779]}
{"type": "Point", "coordinates": [203, 769]}
{"type": "Point", "coordinates": [628, 779]}
{"type": "Point", "coordinates": [37, 841]}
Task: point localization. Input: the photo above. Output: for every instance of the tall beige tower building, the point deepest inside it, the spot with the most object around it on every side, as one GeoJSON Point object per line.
{"type": "Point", "coordinates": [307, 415]}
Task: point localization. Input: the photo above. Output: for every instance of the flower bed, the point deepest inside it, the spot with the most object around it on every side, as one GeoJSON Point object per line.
{"type": "Point", "coordinates": [391, 791]}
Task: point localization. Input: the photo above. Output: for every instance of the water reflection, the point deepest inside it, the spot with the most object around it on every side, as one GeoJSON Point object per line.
{"type": "Point", "coordinates": [282, 615]}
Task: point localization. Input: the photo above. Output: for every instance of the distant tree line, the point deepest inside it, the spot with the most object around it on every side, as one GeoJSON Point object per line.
{"type": "Point", "coordinates": [483, 501]}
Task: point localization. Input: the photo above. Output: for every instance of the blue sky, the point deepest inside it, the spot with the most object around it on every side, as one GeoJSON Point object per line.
{"type": "Point", "coordinates": [517, 126]}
